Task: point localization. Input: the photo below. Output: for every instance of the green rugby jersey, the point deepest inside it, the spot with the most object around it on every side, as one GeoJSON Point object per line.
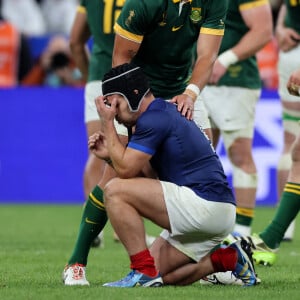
{"type": "Point", "coordinates": [167, 38]}
{"type": "Point", "coordinates": [244, 73]}
{"type": "Point", "coordinates": [101, 16]}
{"type": "Point", "coordinates": [292, 18]}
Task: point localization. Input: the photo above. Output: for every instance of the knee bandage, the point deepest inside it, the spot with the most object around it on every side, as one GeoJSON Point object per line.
{"type": "Point", "coordinates": [230, 136]}
{"type": "Point", "coordinates": [285, 162]}
{"type": "Point", "coordinates": [291, 126]}
{"type": "Point", "coordinates": [242, 179]}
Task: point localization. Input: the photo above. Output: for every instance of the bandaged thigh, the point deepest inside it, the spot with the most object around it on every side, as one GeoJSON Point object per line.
{"type": "Point", "coordinates": [285, 162]}
{"type": "Point", "coordinates": [201, 115]}
{"type": "Point", "coordinates": [93, 90]}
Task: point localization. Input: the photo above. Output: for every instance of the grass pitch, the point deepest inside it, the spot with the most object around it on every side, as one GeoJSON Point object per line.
{"type": "Point", "coordinates": [36, 242]}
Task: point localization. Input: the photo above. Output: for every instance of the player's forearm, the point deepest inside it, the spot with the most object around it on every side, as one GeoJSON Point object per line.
{"type": "Point", "coordinates": [252, 42]}
{"type": "Point", "coordinates": [280, 19]}
{"type": "Point", "coordinates": [115, 148]}
{"type": "Point", "coordinates": [81, 58]}
{"type": "Point", "coordinates": [207, 52]}
{"type": "Point", "coordinates": [202, 70]}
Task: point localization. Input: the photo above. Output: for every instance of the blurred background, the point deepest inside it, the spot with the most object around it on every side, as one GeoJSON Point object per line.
{"type": "Point", "coordinates": [42, 132]}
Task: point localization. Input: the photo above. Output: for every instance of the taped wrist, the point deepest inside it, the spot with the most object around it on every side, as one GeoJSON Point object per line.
{"type": "Point", "coordinates": [227, 58]}
{"type": "Point", "coordinates": [193, 91]}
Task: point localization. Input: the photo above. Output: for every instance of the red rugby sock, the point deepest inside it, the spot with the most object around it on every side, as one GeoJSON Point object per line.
{"type": "Point", "coordinates": [224, 259]}
{"type": "Point", "coordinates": [144, 263]}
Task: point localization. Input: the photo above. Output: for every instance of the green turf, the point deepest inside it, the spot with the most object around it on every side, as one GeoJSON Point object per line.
{"type": "Point", "coordinates": [36, 241]}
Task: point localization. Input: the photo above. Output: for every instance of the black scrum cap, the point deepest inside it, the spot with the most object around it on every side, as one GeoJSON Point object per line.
{"type": "Point", "coordinates": [127, 80]}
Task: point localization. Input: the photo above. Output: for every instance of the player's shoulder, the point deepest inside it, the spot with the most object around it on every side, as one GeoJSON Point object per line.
{"type": "Point", "coordinates": [157, 112]}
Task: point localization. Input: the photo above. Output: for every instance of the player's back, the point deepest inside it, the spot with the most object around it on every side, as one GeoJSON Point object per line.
{"type": "Point", "coordinates": [182, 153]}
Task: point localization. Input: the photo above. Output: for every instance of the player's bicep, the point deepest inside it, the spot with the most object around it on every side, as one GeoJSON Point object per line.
{"type": "Point", "coordinates": [80, 31]}
{"type": "Point", "coordinates": [257, 16]}
{"type": "Point", "coordinates": [208, 45]}
{"type": "Point", "coordinates": [124, 50]}
{"type": "Point", "coordinates": [135, 162]}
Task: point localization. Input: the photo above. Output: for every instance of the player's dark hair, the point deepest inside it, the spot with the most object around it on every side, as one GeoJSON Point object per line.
{"type": "Point", "coordinates": [59, 60]}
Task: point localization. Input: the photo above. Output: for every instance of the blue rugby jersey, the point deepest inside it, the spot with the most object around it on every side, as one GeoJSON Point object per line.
{"type": "Point", "coordinates": [181, 152]}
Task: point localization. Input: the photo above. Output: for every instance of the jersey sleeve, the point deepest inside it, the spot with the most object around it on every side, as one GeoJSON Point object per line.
{"type": "Point", "coordinates": [151, 131]}
{"type": "Point", "coordinates": [215, 21]}
{"type": "Point", "coordinates": [136, 18]}
{"type": "Point", "coordinates": [247, 4]}
{"type": "Point", "coordinates": [82, 6]}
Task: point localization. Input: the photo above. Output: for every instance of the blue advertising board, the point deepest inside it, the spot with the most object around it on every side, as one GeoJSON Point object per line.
{"type": "Point", "coordinates": [43, 146]}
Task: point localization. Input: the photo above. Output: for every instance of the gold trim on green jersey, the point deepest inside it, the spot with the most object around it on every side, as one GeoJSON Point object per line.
{"type": "Point", "coordinates": [81, 9]}
{"type": "Point", "coordinates": [176, 1]}
{"type": "Point", "coordinates": [253, 4]}
{"type": "Point", "coordinates": [212, 31]}
{"type": "Point", "coordinates": [128, 35]}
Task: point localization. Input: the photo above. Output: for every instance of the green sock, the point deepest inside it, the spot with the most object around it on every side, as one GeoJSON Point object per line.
{"type": "Point", "coordinates": [93, 221]}
{"type": "Point", "coordinates": [286, 212]}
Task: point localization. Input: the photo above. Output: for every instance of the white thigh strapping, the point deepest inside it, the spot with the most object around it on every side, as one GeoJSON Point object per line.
{"type": "Point", "coordinates": [92, 90]}
{"type": "Point", "coordinates": [200, 114]}
{"type": "Point", "coordinates": [287, 63]}
{"type": "Point", "coordinates": [197, 225]}
{"type": "Point", "coordinates": [230, 108]}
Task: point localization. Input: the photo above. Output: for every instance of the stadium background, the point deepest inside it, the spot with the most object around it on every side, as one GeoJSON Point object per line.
{"type": "Point", "coordinates": [43, 150]}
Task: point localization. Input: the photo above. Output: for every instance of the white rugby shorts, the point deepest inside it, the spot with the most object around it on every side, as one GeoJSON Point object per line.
{"type": "Point", "coordinates": [197, 225]}
{"type": "Point", "coordinates": [230, 108]}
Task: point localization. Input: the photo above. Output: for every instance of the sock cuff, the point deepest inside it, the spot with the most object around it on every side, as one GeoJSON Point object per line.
{"type": "Point", "coordinates": [140, 255]}
{"type": "Point", "coordinates": [143, 262]}
{"type": "Point", "coordinates": [224, 259]}
{"type": "Point", "coordinates": [96, 196]}
{"type": "Point", "coordinates": [292, 187]}
{"type": "Point", "coordinates": [246, 212]}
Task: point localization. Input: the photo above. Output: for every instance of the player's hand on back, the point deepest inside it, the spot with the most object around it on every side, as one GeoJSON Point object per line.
{"type": "Point", "coordinates": [185, 105]}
